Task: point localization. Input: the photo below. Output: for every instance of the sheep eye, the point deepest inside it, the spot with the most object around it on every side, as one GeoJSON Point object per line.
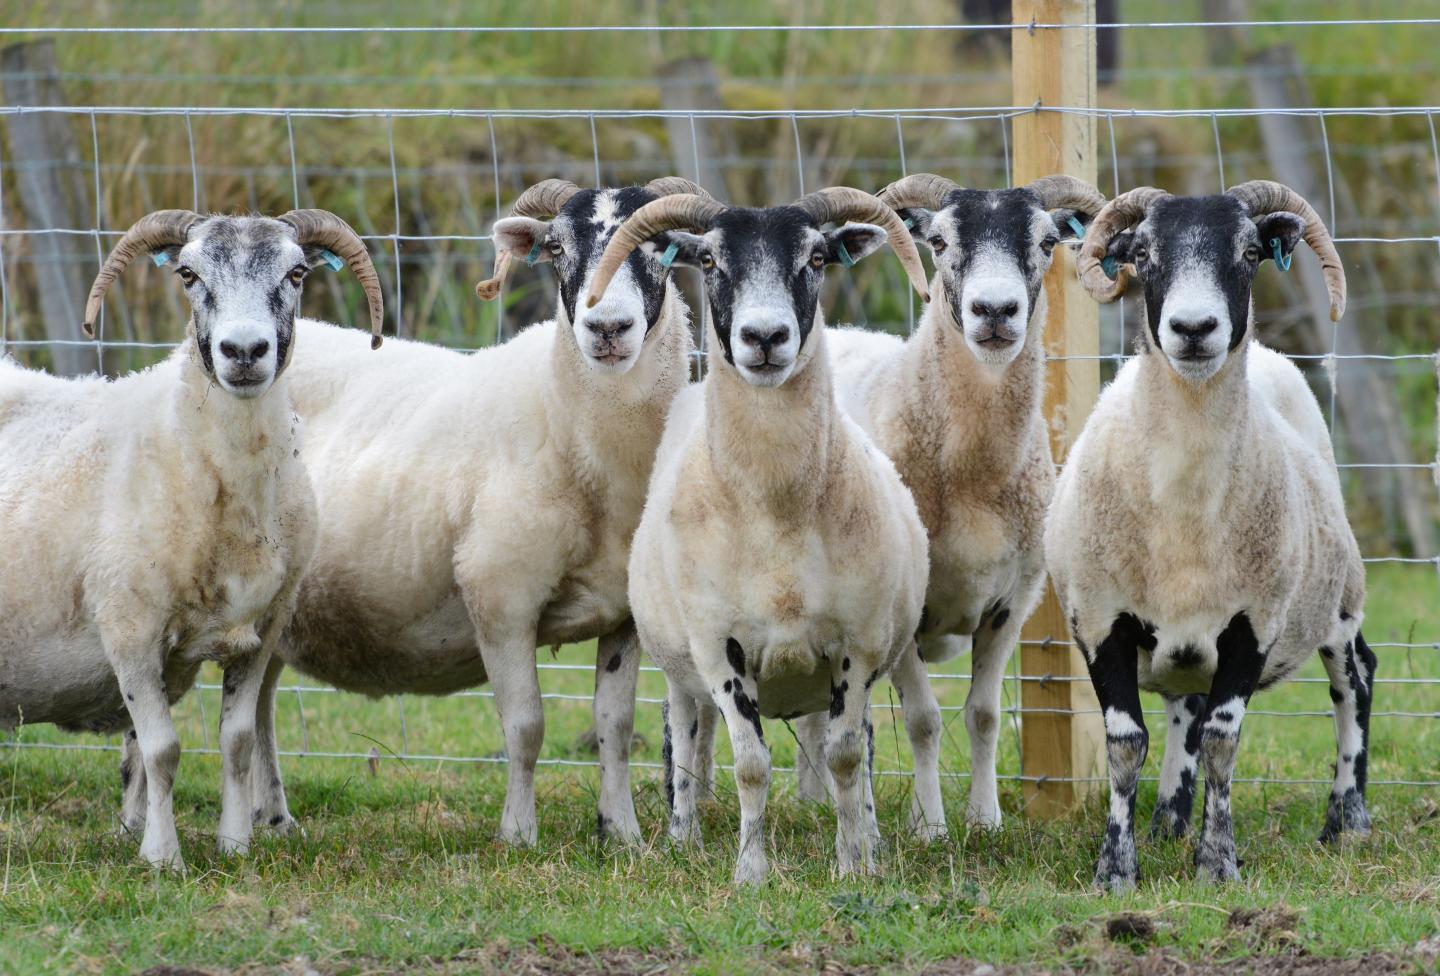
{"type": "Point", "coordinates": [555, 248]}
{"type": "Point", "coordinates": [1141, 255]}
{"type": "Point", "coordinates": [937, 245]}
{"type": "Point", "coordinates": [297, 275]}
{"type": "Point", "coordinates": [187, 277]}
{"type": "Point", "coordinates": [1047, 246]}
{"type": "Point", "coordinates": [707, 261]}
{"type": "Point", "coordinates": [1252, 254]}
{"type": "Point", "coordinates": [817, 260]}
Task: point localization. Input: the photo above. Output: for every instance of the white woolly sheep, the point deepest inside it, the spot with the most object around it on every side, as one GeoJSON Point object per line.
{"type": "Point", "coordinates": [779, 567]}
{"type": "Point", "coordinates": [959, 409]}
{"type": "Point", "coordinates": [492, 510]}
{"type": "Point", "coordinates": [1198, 538]}
{"type": "Point", "coordinates": [164, 519]}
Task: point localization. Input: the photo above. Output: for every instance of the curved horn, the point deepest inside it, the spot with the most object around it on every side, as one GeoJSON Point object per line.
{"type": "Point", "coordinates": [321, 228]}
{"type": "Point", "coordinates": [841, 203]}
{"type": "Point", "coordinates": [163, 228]}
{"type": "Point", "coordinates": [545, 199]}
{"type": "Point", "coordinates": [669, 186]}
{"type": "Point", "coordinates": [1067, 191]}
{"type": "Point", "coordinates": [1120, 214]}
{"type": "Point", "coordinates": [1262, 197]}
{"type": "Point", "coordinates": [918, 190]}
{"type": "Point", "coordinates": [667, 213]}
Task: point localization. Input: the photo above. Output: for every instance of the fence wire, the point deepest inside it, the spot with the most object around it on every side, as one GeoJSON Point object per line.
{"type": "Point", "coordinates": [404, 236]}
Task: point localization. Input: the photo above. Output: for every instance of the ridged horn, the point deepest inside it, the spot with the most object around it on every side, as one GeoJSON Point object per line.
{"type": "Point", "coordinates": [1262, 197]}
{"type": "Point", "coordinates": [541, 201]}
{"type": "Point", "coordinates": [321, 228]}
{"type": "Point", "coordinates": [161, 229]}
{"type": "Point", "coordinates": [669, 186]}
{"type": "Point", "coordinates": [1120, 214]}
{"type": "Point", "coordinates": [918, 190]}
{"type": "Point", "coordinates": [688, 210]}
{"type": "Point", "coordinates": [1061, 190]}
{"type": "Point", "coordinates": [839, 204]}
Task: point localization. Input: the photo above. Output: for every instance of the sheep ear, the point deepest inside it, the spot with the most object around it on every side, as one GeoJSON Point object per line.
{"type": "Point", "coordinates": [917, 219]}
{"type": "Point", "coordinates": [849, 244]}
{"type": "Point", "coordinates": [1070, 223]}
{"type": "Point", "coordinates": [1281, 227]}
{"type": "Point", "coordinates": [521, 237]}
{"type": "Point", "coordinates": [1121, 248]}
{"type": "Point", "coordinates": [168, 256]}
{"type": "Point", "coordinates": [676, 247]}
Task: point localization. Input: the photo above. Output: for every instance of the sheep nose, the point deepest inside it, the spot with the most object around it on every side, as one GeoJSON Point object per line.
{"type": "Point", "coordinates": [1194, 329]}
{"type": "Point", "coordinates": [995, 310]}
{"type": "Point", "coordinates": [607, 328]}
{"type": "Point", "coordinates": [244, 356]}
{"type": "Point", "coordinates": [765, 336]}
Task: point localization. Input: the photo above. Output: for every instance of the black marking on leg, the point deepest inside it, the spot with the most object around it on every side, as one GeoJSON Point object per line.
{"type": "Point", "coordinates": [735, 654]}
{"type": "Point", "coordinates": [667, 756]}
{"type": "Point", "coordinates": [614, 663]}
{"type": "Point", "coordinates": [694, 728]}
{"type": "Point", "coordinates": [126, 774]}
{"type": "Point", "coordinates": [871, 680]}
{"type": "Point", "coordinates": [748, 710]}
{"type": "Point", "coordinates": [602, 825]}
{"type": "Point", "coordinates": [1113, 674]}
{"type": "Point", "coordinates": [998, 620]}
{"type": "Point", "coordinates": [275, 820]}
{"type": "Point", "coordinates": [1240, 663]}
{"type": "Point", "coordinates": [837, 698]}
{"type": "Point", "coordinates": [845, 664]}
{"type": "Point", "coordinates": [1344, 614]}
{"type": "Point", "coordinates": [729, 685]}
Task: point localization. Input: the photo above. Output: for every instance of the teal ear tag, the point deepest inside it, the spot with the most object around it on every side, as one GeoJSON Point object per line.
{"type": "Point", "coordinates": [909, 223]}
{"type": "Point", "coordinates": [332, 259]}
{"type": "Point", "coordinates": [1281, 259]}
{"type": "Point", "coordinates": [1077, 227]}
{"type": "Point", "coordinates": [668, 258]}
{"type": "Point", "coordinates": [533, 256]}
{"type": "Point", "coordinates": [1109, 266]}
{"type": "Point", "coordinates": [845, 257]}
{"type": "Point", "coordinates": [160, 258]}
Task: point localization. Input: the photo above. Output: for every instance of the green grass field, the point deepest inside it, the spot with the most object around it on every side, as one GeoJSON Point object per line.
{"type": "Point", "coordinates": [398, 869]}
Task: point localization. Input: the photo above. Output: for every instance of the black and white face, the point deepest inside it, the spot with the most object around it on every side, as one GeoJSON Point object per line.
{"type": "Point", "coordinates": [763, 270]}
{"type": "Point", "coordinates": [992, 249]}
{"type": "Point", "coordinates": [243, 277]}
{"type": "Point", "coordinates": [1197, 258]}
{"type": "Point", "coordinates": [611, 334]}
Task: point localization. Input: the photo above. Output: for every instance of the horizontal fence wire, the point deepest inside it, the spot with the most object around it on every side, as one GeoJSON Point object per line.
{"type": "Point", "coordinates": [405, 230]}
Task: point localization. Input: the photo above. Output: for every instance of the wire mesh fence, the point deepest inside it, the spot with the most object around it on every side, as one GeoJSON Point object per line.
{"type": "Point", "coordinates": [427, 224]}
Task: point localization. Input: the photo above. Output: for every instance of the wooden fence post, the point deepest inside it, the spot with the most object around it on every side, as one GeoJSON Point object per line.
{"type": "Point", "coordinates": [44, 152]}
{"type": "Point", "coordinates": [1062, 737]}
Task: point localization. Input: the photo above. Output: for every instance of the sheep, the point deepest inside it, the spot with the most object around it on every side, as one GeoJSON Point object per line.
{"type": "Point", "coordinates": [1198, 539]}
{"type": "Point", "coordinates": [779, 566]}
{"type": "Point", "coordinates": [492, 511]}
{"type": "Point", "coordinates": [163, 519]}
{"type": "Point", "coordinates": [959, 410]}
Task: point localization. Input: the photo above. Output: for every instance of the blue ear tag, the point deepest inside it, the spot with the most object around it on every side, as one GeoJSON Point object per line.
{"type": "Point", "coordinates": [533, 256]}
{"type": "Point", "coordinates": [1077, 227]}
{"type": "Point", "coordinates": [909, 223]}
{"type": "Point", "coordinates": [1108, 265]}
{"type": "Point", "coordinates": [160, 258]}
{"type": "Point", "coordinates": [1281, 259]}
{"type": "Point", "coordinates": [668, 258]}
{"type": "Point", "coordinates": [332, 259]}
{"type": "Point", "coordinates": [845, 257]}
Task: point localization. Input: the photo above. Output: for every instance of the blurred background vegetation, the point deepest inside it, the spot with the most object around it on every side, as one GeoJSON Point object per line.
{"type": "Point", "coordinates": [437, 177]}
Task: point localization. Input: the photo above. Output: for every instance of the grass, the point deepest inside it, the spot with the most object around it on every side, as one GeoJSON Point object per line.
{"type": "Point", "coordinates": [398, 868]}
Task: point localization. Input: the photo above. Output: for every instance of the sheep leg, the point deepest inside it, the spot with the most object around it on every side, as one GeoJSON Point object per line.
{"type": "Point", "coordinates": [239, 695]}
{"type": "Point", "coordinates": [1178, 769]}
{"type": "Point", "coordinates": [872, 824]}
{"type": "Point", "coordinates": [703, 769]}
{"type": "Point", "coordinates": [143, 685]}
{"type": "Point", "coordinates": [511, 667]}
{"type": "Point", "coordinates": [845, 750]}
{"type": "Point", "coordinates": [267, 789]}
{"type": "Point", "coordinates": [682, 786]}
{"type": "Point", "coordinates": [1236, 675]}
{"type": "Point", "coordinates": [736, 696]}
{"type": "Point", "coordinates": [617, 667]}
{"type": "Point", "coordinates": [132, 787]}
{"type": "Point", "coordinates": [1112, 672]}
{"type": "Point", "coordinates": [993, 645]}
{"type": "Point", "coordinates": [923, 725]}
{"type": "Point", "coordinates": [1352, 683]}
{"type": "Point", "coordinates": [812, 779]}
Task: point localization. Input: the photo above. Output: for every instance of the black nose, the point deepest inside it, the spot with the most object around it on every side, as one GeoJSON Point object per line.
{"type": "Point", "coordinates": [607, 328]}
{"type": "Point", "coordinates": [765, 336]}
{"type": "Point", "coordinates": [995, 310]}
{"type": "Point", "coordinates": [1193, 329]}
{"type": "Point", "coordinates": [244, 356]}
